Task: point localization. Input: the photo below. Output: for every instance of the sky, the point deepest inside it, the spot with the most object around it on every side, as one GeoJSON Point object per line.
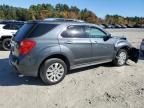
{"type": "Point", "coordinates": [99, 7]}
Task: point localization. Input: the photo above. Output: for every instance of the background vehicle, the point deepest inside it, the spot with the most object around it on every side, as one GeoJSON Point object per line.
{"type": "Point", "coordinates": [102, 26]}
{"type": "Point", "coordinates": [142, 46]}
{"type": "Point", "coordinates": [130, 26]}
{"type": "Point", "coordinates": [117, 26]}
{"type": "Point", "coordinates": [123, 26]}
{"type": "Point", "coordinates": [105, 26]}
{"type": "Point", "coordinates": [7, 30]}
{"type": "Point", "coordinates": [50, 48]}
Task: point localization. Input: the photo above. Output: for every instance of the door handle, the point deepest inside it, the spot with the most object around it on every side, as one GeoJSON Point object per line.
{"type": "Point", "coordinates": [95, 42]}
{"type": "Point", "coordinates": [68, 42]}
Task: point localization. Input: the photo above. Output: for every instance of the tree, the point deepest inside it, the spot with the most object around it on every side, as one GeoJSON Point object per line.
{"type": "Point", "coordinates": [42, 11]}
{"type": "Point", "coordinates": [2, 16]}
{"type": "Point", "coordinates": [88, 16]}
{"type": "Point", "coordinates": [61, 7]}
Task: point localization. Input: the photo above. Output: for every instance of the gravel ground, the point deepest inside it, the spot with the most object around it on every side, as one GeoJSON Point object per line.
{"type": "Point", "coordinates": [100, 86]}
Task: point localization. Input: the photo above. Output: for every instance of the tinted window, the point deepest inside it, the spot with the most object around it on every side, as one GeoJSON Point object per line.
{"type": "Point", "coordinates": [74, 32]}
{"type": "Point", "coordinates": [23, 31]}
{"type": "Point", "coordinates": [12, 26]}
{"type": "Point", "coordinates": [7, 26]}
{"type": "Point", "coordinates": [16, 26]}
{"type": "Point", "coordinates": [95, 32]}
{"type": "Point", "coordinates": [41, 29]}
{"type": "Point", "coordinates": [33, 30]}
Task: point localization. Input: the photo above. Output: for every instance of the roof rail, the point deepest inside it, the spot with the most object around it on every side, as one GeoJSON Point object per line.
{"type": "Point", "coordinates": [63, 19]}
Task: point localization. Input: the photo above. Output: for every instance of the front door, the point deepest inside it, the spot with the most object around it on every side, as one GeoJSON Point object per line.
{"type": "Point", "coordinates": [102, 50]}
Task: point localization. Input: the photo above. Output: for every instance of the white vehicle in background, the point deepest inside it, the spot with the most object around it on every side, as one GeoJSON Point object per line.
{"type": "Point", "coordinates": [7, 30]}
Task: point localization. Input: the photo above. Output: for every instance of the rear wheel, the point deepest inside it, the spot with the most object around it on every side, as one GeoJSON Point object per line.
{"type": "Point", "coordinates": [53, 71]}
{"type": "Point", "coordinates": [121, 58]}
{"type": "Point", "coordinates": [6, 44]}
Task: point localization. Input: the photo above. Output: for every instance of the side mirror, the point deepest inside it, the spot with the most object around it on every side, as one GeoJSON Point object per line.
{"type": "Point", "coordinates": [107, 37]}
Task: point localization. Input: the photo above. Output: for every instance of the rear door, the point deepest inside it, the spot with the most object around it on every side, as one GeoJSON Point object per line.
{"type": "Point", "coordinates": [101, 50]}
{"type": "Point", "coordinates": [76, 43]}
{"type": "Point", "coordinates": [31, 31]}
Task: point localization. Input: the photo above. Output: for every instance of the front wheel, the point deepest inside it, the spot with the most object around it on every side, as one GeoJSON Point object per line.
{"type": "Point", "coordinates": [53, 71]}
{"type": "Point", "coordinates": [6, 44]}
{"type": "Point", "coordinates": [121, 58]}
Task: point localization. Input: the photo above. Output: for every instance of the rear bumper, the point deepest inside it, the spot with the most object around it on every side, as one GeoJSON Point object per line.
{"type": "Point", "coordinates": [22, 67]}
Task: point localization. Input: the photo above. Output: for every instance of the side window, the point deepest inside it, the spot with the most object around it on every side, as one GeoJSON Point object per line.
{"type": "Point", "coordinates": [16, 26]}
{"type": "Point", "coordinates": [41, 29]}
{"type": "Point", "coordinates": [7, 27]}
{"type": "Point", "coordinates": [95, 32]}
{"type": "Point", "coordinates": [74, 32]}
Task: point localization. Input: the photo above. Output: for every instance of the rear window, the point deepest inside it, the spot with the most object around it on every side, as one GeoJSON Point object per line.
{"type": "Point", "coordinates": [42, 29]}
{"type": "Point", "coordinates": [23, 31]}
{"type": "Point", "coordinates": [30, 30]}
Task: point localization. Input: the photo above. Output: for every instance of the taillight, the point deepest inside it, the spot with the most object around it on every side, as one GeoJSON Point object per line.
{"type": "Point", "coordinates": [26, 46]}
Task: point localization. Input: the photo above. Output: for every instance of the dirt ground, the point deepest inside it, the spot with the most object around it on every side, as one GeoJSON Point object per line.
{"type": "Point", "coordinates": [100, 86]}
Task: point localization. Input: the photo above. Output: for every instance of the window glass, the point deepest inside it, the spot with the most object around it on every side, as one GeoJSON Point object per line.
{"type": "Point", "coordinates": [23, 31]}
{"type": "Point", "coordinates": [41, 29]}
{"type": "Point", "coordinates": [33, 30]}
{"type": "Point", "coordinates": [16, 26]}
{"type": "Point", "coordinates": [74, 32]}
{"type": "Point", "coordinates": [7, 26]}
{"type": "Point", "coordinates": [95, 33]}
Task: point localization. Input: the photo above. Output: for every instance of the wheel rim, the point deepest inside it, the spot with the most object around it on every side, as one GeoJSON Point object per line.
{"type": "Point", "coordinates": [55, 72]}
{"type": "Point", "coordinates": [122, 58]}
{"type": "Point", "coordinates": [7, 44]}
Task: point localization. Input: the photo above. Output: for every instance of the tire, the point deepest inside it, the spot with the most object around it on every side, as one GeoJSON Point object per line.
{"type": "Point", "coordinates": [121, 58]}
{"type": "Point", "coordinates": [6, 44]}
{"type": "Point", "coordinates": [51, 75]}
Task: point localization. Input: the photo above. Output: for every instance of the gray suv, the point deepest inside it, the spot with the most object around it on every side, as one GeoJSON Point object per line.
{"type": "Point", "coordinates": [50, 49]}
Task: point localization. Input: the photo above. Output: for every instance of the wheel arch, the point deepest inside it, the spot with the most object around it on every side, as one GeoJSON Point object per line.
{"type": "Point", "coordinates": [125, 47]}
{"type": "Point", "coordinates": [59, 56]}
{"type": "Point", "coordinates": [5, 36]}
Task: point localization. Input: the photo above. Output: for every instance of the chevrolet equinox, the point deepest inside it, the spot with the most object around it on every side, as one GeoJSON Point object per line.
{"type": "Point", "coordinates": [50, 49]}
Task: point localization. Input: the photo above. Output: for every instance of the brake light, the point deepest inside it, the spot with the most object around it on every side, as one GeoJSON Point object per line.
{"type": "Point", "coordinates": [26, 46]}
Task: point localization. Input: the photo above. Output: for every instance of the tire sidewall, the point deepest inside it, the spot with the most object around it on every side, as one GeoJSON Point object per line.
{"type": "Point", "coordinates": [45, 66]}
{"type": "Point", "coordinates": [3, 44]}
{"type": "Point", "coordinates": [116, 59]}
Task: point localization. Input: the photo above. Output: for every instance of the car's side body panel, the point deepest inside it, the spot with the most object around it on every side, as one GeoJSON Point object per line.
{"type": "Point", "coordinates": [79, 49]}
{"type": "Point", "coordinates": [102, 50]}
